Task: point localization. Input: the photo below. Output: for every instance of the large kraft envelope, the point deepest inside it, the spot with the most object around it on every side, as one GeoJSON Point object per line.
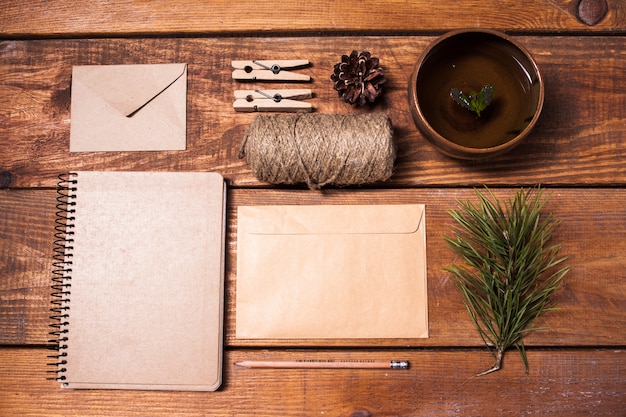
{"type": "Point", "coordinates": [331, 271]}
{"type": "Point", "coordinates": [128, 107]}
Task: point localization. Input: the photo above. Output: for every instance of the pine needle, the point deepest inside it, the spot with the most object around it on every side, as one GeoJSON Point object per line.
{"type": "Point", "coordinates": [511, 270]}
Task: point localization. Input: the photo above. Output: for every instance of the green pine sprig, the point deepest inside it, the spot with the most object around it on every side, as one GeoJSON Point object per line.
{"type": "Point", "coordinates": [511, 268]}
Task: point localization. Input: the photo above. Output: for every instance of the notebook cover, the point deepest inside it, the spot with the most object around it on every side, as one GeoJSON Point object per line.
{"type": "Point", "coordinates": [146, 303]}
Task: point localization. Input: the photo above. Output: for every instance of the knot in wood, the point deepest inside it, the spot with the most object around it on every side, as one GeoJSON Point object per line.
{"type": "Point", "coordinates": [591, 12]}
{"type": "Point", "coordinates": [361, 413]}
{"type": "Point", "coordinates": [5, 179]}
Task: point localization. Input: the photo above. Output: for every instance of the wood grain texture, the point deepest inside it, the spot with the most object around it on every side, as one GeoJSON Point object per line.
{"type": "Point", "coordinates": [71, 18]}
{"type": "Point", "coordinates": [577, 140]}
{"type": "Point", "coordinates": [561, 383]}
{"type": "Point", "coordinates": [25, 265]}
{"type": "Point", "coordinates": [577, 364]}
{"type": "Point", "coordinates": [592, 299]}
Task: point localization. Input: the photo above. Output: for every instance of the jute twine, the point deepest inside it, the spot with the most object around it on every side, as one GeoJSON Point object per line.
{"type": "Point", "coordinates": [320, 149]}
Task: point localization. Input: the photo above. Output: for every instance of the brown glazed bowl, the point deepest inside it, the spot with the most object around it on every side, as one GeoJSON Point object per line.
{"type": "Point", "coordinates": [467, 60]}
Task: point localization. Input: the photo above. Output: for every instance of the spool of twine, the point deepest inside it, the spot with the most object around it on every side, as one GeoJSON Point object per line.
{"type": "Point", "coordinates": [320, 149]}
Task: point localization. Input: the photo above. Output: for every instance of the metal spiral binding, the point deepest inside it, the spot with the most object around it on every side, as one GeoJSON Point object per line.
{"type": "Point", "coordinates": [61, 271]}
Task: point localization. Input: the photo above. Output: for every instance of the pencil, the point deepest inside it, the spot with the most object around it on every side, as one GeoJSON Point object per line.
{"type": "Point", "coordinates": [327, 364]}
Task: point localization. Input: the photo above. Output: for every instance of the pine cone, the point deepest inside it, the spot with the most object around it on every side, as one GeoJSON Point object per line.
{"type": "Point", "coordinates": [358, 78]}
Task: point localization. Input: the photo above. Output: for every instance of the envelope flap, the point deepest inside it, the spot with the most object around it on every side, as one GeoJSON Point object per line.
{"type": "Point", "coordinates": [333, 219]}
{"type": "Point", "coordinates": [128, 88]}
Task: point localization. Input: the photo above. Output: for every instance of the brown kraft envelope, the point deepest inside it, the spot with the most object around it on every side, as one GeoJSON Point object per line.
{"type": "Point", "coordinates": [128, 107]}
{"type": "Point", "coordinates": [331, 271]}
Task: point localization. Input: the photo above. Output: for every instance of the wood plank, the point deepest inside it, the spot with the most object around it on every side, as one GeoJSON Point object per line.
{"type": "Point", "coordinates": [561, 382]}
{"type": "Point", "coordinates": [576, 142]}
{"type": "Point", "coordinates": [590, 234]}
{"type": "Point", "coordinates": [120, 17]}
{"type": "Point", "coordinates": [592, 300]}
{"type": "Point", "coordinates": [26, 231]}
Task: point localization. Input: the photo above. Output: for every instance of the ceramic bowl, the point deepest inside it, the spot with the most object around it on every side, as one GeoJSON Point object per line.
{"type": "Point", "coordinates": [467, 60]}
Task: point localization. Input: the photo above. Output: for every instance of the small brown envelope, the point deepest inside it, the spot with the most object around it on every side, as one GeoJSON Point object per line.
{"type": "Point", "coordinates": [128, 107]}
{"type": "Point", "coordinates": [331, 271]}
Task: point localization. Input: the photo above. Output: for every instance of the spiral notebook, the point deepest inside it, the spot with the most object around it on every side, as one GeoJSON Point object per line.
{"type": "Point", "coordinates": [139, 282]}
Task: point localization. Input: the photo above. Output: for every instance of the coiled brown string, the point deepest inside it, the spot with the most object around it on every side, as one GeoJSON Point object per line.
{"type": "Point", "coordinates": [320, 149]}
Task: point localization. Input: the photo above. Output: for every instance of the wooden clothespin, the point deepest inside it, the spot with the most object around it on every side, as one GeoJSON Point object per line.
{"type": "Point", "coordinates": [272, 100]}
{"type": "Point", "coordinates": [267, 70]}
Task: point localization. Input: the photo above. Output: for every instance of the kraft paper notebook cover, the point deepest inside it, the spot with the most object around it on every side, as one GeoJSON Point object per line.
{"type": "Point", "coordinates": [139, 286]}
{"type": "Point", "coordinates": [331, 272]}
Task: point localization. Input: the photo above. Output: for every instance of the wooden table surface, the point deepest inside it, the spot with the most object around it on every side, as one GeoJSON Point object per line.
{"type": "Point", "coordinates": [577, 151]}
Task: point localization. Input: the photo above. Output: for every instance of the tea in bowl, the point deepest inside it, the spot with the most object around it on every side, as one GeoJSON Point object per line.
{"type": "Point", "coordinates": [475, 93]}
